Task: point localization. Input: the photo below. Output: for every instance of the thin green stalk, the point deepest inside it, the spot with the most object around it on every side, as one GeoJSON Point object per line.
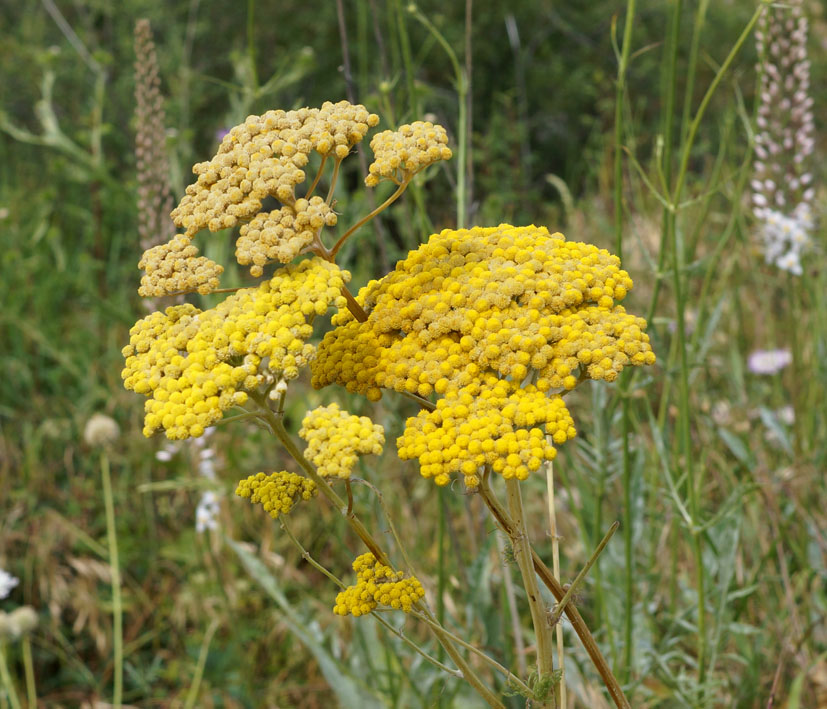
{"type": "Point", "coordinates": [441, 573]}
{"type": "Point", "coordinates": [251, 44]}
{"type": "Point", "coordinates": [579, 626]}
{"type": "Point", "coordinates": [697, 27]}
{"type": "Point", "coordinates": [192, 695]}
{"type": "Point", "coordinates": [333, 179]}
{"type": "Point", "coordinates": [510, 677]}
{"type": "Point", "coordinates": [628, 547]}
{"type": "Point", "coordinates": [462, 120]}
{"type": "Point", "coordinates": [14, 700]}
{"type": "Point", "coordinates": [364, 220]}
{"type": "Point", "coordinates": [560, 608]}
{"type": "Point", "coordinates": [555, 565]}
{"type": "Point", "coordinates": [316, 565]}
{"type": "Point", "coordinates": [405, 46]}
{"type": "Point", "coordinates": [114, 565]}
{"type": "Point", "coordinates": [793, 296]}
{"type": "Point", "coordinates": [684, 408]}
{"type": "Point", "coordinates": [672, 43]}
{"type": "Point", "coordinates": [277, 426]}
{"type": "Point", "coordinates": [521, 545]}
{"type": "Point", "coordinates": [316, 179]}
{"type": "Point", "coordinates": [28, 668]}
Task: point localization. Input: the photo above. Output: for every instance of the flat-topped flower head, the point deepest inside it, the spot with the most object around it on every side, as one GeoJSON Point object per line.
{"type": "Point", "coordinates": [282, 234]}
{"type": "Point", "coordinates": [193, 365]}
{"type": "Point", "coordinates": [398, 154]}
{"type": "Point", "coordinates": [175, 268]}
{"type": "Point", "coordinates": [378, 585]}
{"type": "Point", "coordinates": [265, 156]}
{"type": "Point", "coordinates": [336, 438]}
{"type": "Point", "coordinates": [477, 306]}
{"type": "Point", "coordinates": [276, 492]}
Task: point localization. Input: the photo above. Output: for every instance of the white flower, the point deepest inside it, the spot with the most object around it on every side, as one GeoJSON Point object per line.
{"type": "Point", "coordinates": [101, 430]}
{"type": "Point", "coordinates": [768, 361]}
{"type": "Point", "coordinates": [786, 414]}
{"type": "Point", "coordinates": [206, 514]}
{"type": "Point", "coordinates": [7, 583]}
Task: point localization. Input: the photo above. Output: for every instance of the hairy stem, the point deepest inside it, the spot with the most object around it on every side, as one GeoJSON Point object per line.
{"type": "Point", "coordinates": [521, 545]}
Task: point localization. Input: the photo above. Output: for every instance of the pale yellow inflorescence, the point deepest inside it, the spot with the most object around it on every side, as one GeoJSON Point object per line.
{"type": "Point", "coordinates": [378, 585]}
{"type": "Point", "coordinates": [175, 268]}
{"type": "Point", "coordinates": [470, 309]}
{"type": "Point", "coordinates": [193, 365]}
{"type": "Point", "coordinates": [276, 492]}
{"type": "Point", "coordinates": [283, 233]}
{"type": "Point", "coordinates": [401, 153]}
{"type": "Point", "coordinates": [336, 438]}
{"type": "Point", "coordinates": [265, 156]}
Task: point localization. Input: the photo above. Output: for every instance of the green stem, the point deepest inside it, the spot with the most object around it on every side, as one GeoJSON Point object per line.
{"type": "Point", "coordinates": [28, 667]}
{"type": "Point", "coordinates": [628, 547]}
{"type": "Point", "coordinates": [251, 45]}
{"type": "Point", "coordinates": [333, 179]}
{"type": "Point", "coordinates": [316, 565]}
{"type": "Point", "coordinates": [672, 43]}
{"type": "Point", "coordinates": [552, 584]}
{"type": "Point", "coordinates": [114, 565]}
{"type": "Point", "coordinates": [697, 27]}
{"type": "Point", "coordinates": [389, 201]}
{"type": "Point", "coordinates": [560, 608]}
{"type": "Point", "coordinates": [277, 426]}
{"type": "Point", "coordinates": [192, 695]}
{"type": "Point", "coordinates": [511, 678]}
{"type": "Point", "coordinates": [462, 121]}
{"type": "Point", "coordinates": [14, 700]}
{"type": "Point", "coordinates": [316, 179]}
{"type": "Point", "coordinates": [684, 409]}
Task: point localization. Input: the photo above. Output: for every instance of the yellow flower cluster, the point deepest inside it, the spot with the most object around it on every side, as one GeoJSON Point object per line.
{"type": "Point", "coordinates": [516, 303]}
{"type": "Point", "coordinates": [265, 156]}
{"type": "Point", "coordinates": [194, 365]}
{"type": "Point", "coordinates": [335, 438]}
{"type": "Point", "coordinates": [175, 267]}
{"type": "Point", "coordinates": [489, 422]}
{"type": "Point", "coordinates": [277, 492]}
{"type": "Point", "coordinates": [377, 585]}
{"type": "Point", "coordinates": [403, 152]}
{"type": "Point", "coordinates": [283, 233]}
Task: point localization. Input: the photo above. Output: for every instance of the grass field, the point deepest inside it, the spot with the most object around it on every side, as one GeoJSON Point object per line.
{"type": "Point", "coordinates": [682, 136]}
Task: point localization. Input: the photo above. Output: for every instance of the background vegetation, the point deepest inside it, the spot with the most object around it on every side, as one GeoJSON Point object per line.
{"type": "Point", "coordinates": [742, 506]}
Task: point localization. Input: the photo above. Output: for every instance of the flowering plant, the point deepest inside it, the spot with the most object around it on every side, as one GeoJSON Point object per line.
{"type": "Point", "coordinates": [486, 329]}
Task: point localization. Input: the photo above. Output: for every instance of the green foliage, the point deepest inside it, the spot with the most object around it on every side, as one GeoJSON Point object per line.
{"type": "Point", "coordinates": [543, 87]}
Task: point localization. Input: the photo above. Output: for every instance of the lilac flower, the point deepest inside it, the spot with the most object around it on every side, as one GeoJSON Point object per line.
{"type": "Point", "coordinates": [768, 361]}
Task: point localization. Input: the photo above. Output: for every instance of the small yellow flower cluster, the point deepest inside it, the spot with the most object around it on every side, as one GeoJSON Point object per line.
{"type": "Point", "coordinates": [335, 438]}
{"type": "Point", "coordinates": [175, 267]}
{"type": "Point", "coordinates": [277, 492]}
{"type": "Point", "coordinates": [405, 151]}
{"type": "Point", "coordinates": [265, 156]}
{"type": "Point", "coordinates": [283, 233]}
{"type": "Point", "coordinates": [377, 585]}
{"type": "Point", "coordinates": [194, 365]}
{"type": "Point", "coordinates": [516, 303]}
{"type": "Point", "coordinates": [489, 422]}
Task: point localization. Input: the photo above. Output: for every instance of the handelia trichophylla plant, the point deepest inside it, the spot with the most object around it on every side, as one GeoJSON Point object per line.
{"type": "Point", "coordinates": [486, 329]}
